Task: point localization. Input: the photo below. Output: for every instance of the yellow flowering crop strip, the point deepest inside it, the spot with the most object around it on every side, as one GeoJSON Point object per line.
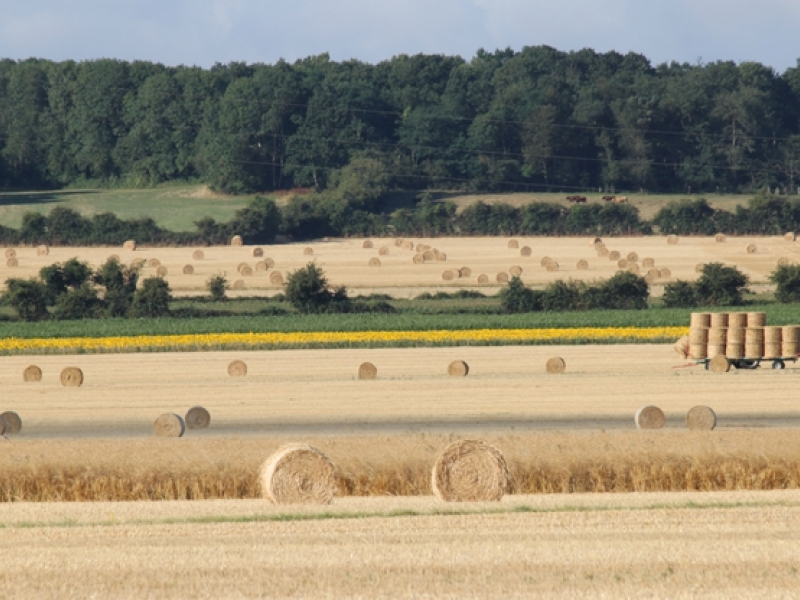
{"type": "Point", "coordinates": [316, 339]}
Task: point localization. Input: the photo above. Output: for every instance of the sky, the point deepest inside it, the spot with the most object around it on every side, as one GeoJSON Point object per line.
{"type": "Point", "coordinates": [204, 32]}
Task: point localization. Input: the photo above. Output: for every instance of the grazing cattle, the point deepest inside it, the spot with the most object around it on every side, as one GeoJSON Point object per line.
{"type": "Point", "coordinates": [577, 199]}
{"type": "Point", "coordinates": [621, 199]}
{"type": "Point", "coordinates": [608, 198]}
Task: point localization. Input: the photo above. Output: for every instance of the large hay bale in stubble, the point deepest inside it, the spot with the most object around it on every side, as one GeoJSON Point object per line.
{"type": "Point", "coordinates": [428, 256]}
{"type": "Point", "coordinates": [720, 238]}
{"type": "Point", "coordinates": [261, 267]}
{"type": "Point", "coordinates": [71, 377]}
{"type": "Point", "coordinates": [718, 320]}
{"type": "Point", "coordinates": [622, 263]}
{"type": "Point", "coordinates": [632, 257]}
{"type": "Point", "coordinates": [525, 251]}
{"type": "Point", "coordinates": [582, 265]}
{"type": "Point", "coordinates": [197, 417]}
{"type": "Point", "coordinates": [700, 319]}
{"type": "Point", "coordinates": [555, 365]}
{"type": "Point", "coordinates": [11, 253]}
{"type": "Point", "coordinates": [257, 252]}
{"type": "Point", "coordinates": [246, 271]}
{"type": "Point", "coordinates": [374, 262]}
{"type": "Point", "coordinates": [138, 263]}
{"type": "Point", "coordinates": [719, 364]}
{"type": "Point", "coordinates": [701, 418]}
{"type": "Point", "coordinates": [270, 262]}
{"type": "Point", "coordinates": [458, 368]}
{"type": "Point", "coordinates": [552, 266]}
{"type": "Point", "coordinates": [161, 271]}
{"type": "Point", "coordinates": [308, 251]}
{"type": "Point", "coordinates": [398, 242]}
{"type": "Point", "coordinates": [369, 244]}
{"type": "Point", "coordinates": [32, 373]}
{"type": "Point", "coordinates": [418, 259]}
{"type": "Point", "coordinates": [545, 260]}
{"type": "Point", "coordinates": [407, 245]}
{"type": "Point", "coordinates": [169, 425]}
{"type": "Point", "coordinates": [129, 245]}
{"type": "Point", "coordinates": [483, 279]}
{"type": "Point", "coordinates": [237, 368]}
{"type": "Point", "coordinates": [298, 474]}
{"type": "Point", "coordinates": [276, 278]}
{"type": "Point", "coordinates": [672, 240]}
{"type": "Point", "coordinates": [465, 272]}
{"type": "Point", "coordinates": [614, 256]}
{"type": "Point", "coordinates": [188, 270]}
{"type": "Point", "coordinates": [448, 275]}
{"type": "Point", "coordinates": [751, 248]}
{"type": "Point", "coordinates": [239, 284]}
{"type": "Point", "coordinates": [240, 266]}
{"type": "Point", "coordinates": [470, 471]}
{"type": "Point", "coordinates": [439, 256]}
{"type": "Point", "coordinates": [649, 417]}
{"type": "Point", "coordinates": [114, 257]}
{"type": "Point", "coordinates": [664, 273]}
{"type": "Point", "coordinates": [198, 255]}
{"type": "Point", "coordinates": [501, 277]}
{"type": "Point", "coordinates": [790, 236]}
{"type": "Point", "coordinates": [237, 241]}
{"type": "Point", "coordinates": [153, 263]}
{"type": "Point", "coordinates": [515, 271]}
{"type": "Point", "coordinates": [603, 252]}
{"type": "Point", "coordinates": [513, 244]}
{"type": "Point", "coordinates": [42, 250]}
{"type": "Point", "coordinates": [648, 263]}
{"type": "Point", "coordinates": [383, 251]}
{"type": "Point", "coordinates": [367, 370]}
{"type": "Point", "coordinates": [633, 268]}
{"type": "Point", "coordinates": [13, 423]}
{"type": "Point", "coordinates": [595, 242]}
{"type": "Point", "coordinates": [12, 262]}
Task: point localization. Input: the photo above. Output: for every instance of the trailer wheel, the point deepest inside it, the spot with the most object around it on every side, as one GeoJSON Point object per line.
{"type": "Point", "coordinates": [778, 364]}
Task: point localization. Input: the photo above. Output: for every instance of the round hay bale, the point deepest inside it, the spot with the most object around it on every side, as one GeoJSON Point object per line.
{"type": "Point", "coordinates": [169, 425]}
{"type": "Point", "coordinates": [458, 368]}
{"type": "Point", "coordinates": [698, 335]}
{"type": "Point", "coordinates": [555, 365]}
{"type": "Point", "coordinates": [720, 238]}
{"type": "Point", "coordinates": [428, 256]}
{"type": "Point", "coordinates": [790, 333]}
{"type": "Point", "coordinates": [237, 368]}
{"type": "Point", "coordinates": [648, 278]}
{"type": "Point", "coordinates": [197, 417]}
{"type": "Point", "coordinates": [257, 252]}
{"type": "Point", "coordinates": [114, 257]}
{"type": "Point", "coordinates": [308, 251]}
{"type": "Point", "coordinates": [552, 266]}
{"type": "Point", "coordinates": [276, 278]}
{"type": "Point", "coordinates": [261, 266]}
{"type": "Point", "coordinates": [633, 268]}
{"type": "Point", "coordinates": [270, 262]}
{"type": "Point", "coordinates": [32, 373]}
{"type": "Point", "coordinates": [734, 349]}
{"type": "Point", "coordinates": [237, 241]}
{"type": "Point", "coordinates": [161, 271]}
{"type": "Point", "coordinates": [369, 244]}
{"type": "Point", "coordinates": [596, 241]}
{"type": "Point", "coordinates": [188, 270]}
{"type": "Point", "coordinates": [12, 421]}
{"type": "Point", "coordinates": [418, 259]}
{"type": "Point", "coordinates": [783, 262]}
{"type": "Point", "coordinates": [71, 377]}
{"type": "Point", "coordinates": [715, 350]}
{"type": "Point", "coordinates": [129, 245]}
{"type": "Point", "coordinates": [448, 275]}
{"type": "Point", "coordinates": [632, 257]}
{"type": "Point", "coordinates": [545, 260]}
{"type": "Point", "coordinates": [773, 350]}
{"type": "Point", "coordinates": [756, 319]}
{"type": "Point", "coordinates": [398, 242]}
{"type": "Point", "coordinates": [11, 253]}
{"type": "Point", "coordinates": [698, 351]}
{"type": "Point", "coordinates": [719, 364]}
{"type": "Point", "coordinates": [138, 263]}
{"type": "Point", "coordinates": [513, 244]}
{"type": "Point", "coordinates": [614, 256]}
{"type": "Point", "coordinates": [374, 262]}
{"type": "Point", "coordinates": [649, 417]}
{"type": "Point", "coordinates": [700, 319]}
{"type": "Point", "coordinates": [465, 272]}
{"type": "Point", "coordinates": [525, 251]}
{"type": "Point", "coordinates": [501, 277]}
{"type": "Point", "coordinates": [470, 471]}
{"type": "Point", "coordinates": [12, 262]}
{"type": "Point", "coordinates": [718, 320]}
{"type": "Point", "coordinates": [42, 250]}
{"type": "Point", "coordinates": [298, 474]}
{"type": "Point", "coordinates": [672, 240]}
{"type": "Point", "coordinates": [239, 284]}
{"type": "Point", "coordinates": [682, 346]}
{"type": "Point", "coordinates": [515, 271]}
{"type": "Point", "coordinates": [240, 266]}
{"type": "Point", "coordinates": [737, 320]}
{"type": "Point", "coordinates": [198, 255]}
{"type": "Point", "coordinates": [751, 248]}
{"type": "Point", "coordinates": [790, 236]}
{"type": "Point", "coordinates": [735, 335]}
{"type": "Point", "coordinates": [153, 263]}
{"type": "Point", "coordinates": [582, 265]}
{"type": "Point", "coordinates": [406, 245]}
{"type": "Point", "coordinates": [718, 335]}
{"type": "Point", "coordinates": [622, 263]}
{"type": "Point", "coordinates": [648, 263]}
{"type": "Point", "coordinates": [383, 251]}
{"type": "Point", "coordinates": [483, 279]}
{"type": "Point", "coordinates": [701, 418]}
{"type": "Point", "coordinates": [602, 252]}
{"type": "Point", "coordinates": [665, 273]}
{"type": "Point", "coordinates": [367, 371]}
{"type": "Point", "coordinates": [423, 247]}
{"type": "Point", "coordinates": [246, 271]}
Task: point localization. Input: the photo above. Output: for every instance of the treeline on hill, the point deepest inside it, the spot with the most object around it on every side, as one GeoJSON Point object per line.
{"type": "Point", "coordinates": [536, 119]}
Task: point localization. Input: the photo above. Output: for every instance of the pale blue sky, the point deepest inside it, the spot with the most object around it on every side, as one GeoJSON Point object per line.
{"type": "Point", "coordinates": [202, 32]}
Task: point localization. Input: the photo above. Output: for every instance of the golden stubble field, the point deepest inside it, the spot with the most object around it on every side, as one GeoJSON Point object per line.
{"type": "Point", "coordinates": [346, 262]}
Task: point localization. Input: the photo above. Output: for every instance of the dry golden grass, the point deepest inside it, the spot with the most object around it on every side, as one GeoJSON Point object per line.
{"type": "Point", "coordinates": [344, 262]}
{"type": "Point", "coordinates": [399, 464]}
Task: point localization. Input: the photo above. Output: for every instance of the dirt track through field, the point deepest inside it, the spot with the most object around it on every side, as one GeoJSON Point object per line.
{"type": "Point", "coordinates": [318, 390]}
{"type": "Point", "coordinates": [346, 262]}
{"type": "Point", "coordinates": [667, 545]}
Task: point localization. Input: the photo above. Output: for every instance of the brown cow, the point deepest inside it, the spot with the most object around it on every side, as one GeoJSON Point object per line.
{"type": "Point", "coordinates": [621, 199]}
{"type": "Point", "coordinates": [609, 198]}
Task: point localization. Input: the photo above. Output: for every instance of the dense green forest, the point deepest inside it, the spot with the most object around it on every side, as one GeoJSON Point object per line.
{"type": "Point", "coordinates": [538, 119]}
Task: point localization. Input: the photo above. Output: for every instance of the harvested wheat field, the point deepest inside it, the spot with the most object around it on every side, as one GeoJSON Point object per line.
{"type": "Point", "coordinates": [318, 390]}
{"type": "Point", "coordinates": [346, 262]}
{"type": "Point", "coordinates": [667, 545]}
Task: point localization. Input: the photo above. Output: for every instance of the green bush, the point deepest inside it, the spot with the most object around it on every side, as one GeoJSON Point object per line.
{"type": "Point", "coordinates": [152, 299]}
{"type": "Point", "coordinates": [81, 302]}
{"type": "Point", "coordinates": [120, 286]}
{"type": "Point", "coordinates": [787, 279]}
{"type": "Point", "coordinates": [217, 285]}
{"type": "Point", "coordinates": [308, 291]}
{"type": "Point", "coordinates": [516, 298]}
{"type": "Point", "coordinates": [719, 285]}
{"type": "Point", "coordinates": [28, 297]}
{"type": "Point", "coordinates": [679, 294]}
{"type": "Point", "coordinates": [623, 291]}
{"type": "Point", "coordinates": [563, 295]}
